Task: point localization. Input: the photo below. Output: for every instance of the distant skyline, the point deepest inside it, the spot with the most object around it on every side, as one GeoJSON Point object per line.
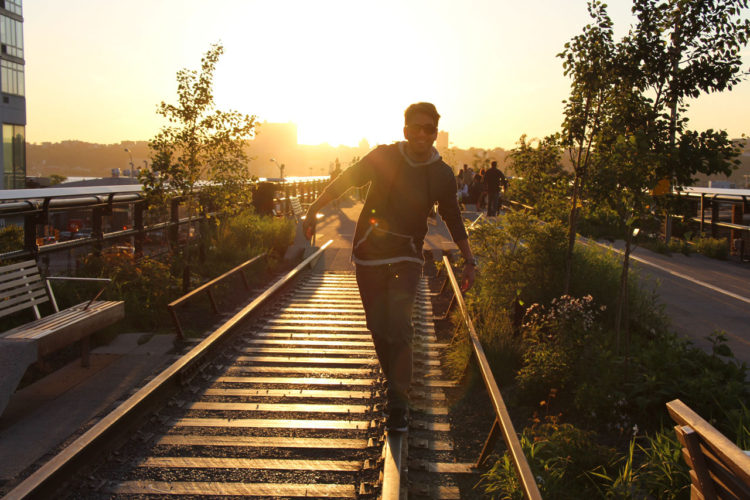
{"type": "Point", "coordinates": [341, 70]}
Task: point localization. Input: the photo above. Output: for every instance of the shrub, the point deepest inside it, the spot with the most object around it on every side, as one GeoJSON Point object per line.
{"type": "Point", "coordinates": [11, 238]}
{"type": "Point", "coordinates": [560, 456]}
{"type": "Point", "coordinates": [716, 248]}
{"type": "Point", "coordinates": [246, 235]}
{"type": "Point", "coordinates": [521, 262]}
{"type": "Point", "coordinates": [653, 470]}
{"type": "Point", "coordinates": [559, 342]}
{"type": "Point", "coordinates": [146, 286]}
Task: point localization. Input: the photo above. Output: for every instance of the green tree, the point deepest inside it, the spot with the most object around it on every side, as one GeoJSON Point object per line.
{"type": "Point", "coordinates": [200, 154]}
{"type": "Point", "coordinates": [677, 50]}
{"type": "Point", "coordinates": [587, 60]}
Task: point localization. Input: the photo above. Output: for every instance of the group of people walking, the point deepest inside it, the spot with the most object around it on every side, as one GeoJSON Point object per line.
{"type": "Point", "coordinates": [482, 188]}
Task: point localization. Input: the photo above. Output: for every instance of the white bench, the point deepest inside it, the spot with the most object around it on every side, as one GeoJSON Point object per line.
{"type": "Point", "coordinates": [22, 287]}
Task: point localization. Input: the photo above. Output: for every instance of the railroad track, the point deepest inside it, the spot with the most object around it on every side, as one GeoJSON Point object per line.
{"type": "Point", "coordinates": [291, 407]}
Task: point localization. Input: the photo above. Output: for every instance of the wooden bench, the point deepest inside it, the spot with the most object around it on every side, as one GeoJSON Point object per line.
{"type": "Point", "coordinates": [22, 287]}
{"type": "Point", "coordinates": [718, 468]}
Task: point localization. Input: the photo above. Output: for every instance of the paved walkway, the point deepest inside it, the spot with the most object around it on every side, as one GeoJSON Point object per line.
{"type": "Point", "coordinates": [42, 416]}
{"type": "Point", "coordinates": [701, 295]}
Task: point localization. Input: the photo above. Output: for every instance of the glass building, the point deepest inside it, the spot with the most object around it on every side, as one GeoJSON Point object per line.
{"type": "Point", "coordinates": [12, 89]}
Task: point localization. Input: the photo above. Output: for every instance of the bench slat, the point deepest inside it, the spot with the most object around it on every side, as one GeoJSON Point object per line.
{"type": "Point", "coordinates": [23, 279]}
{"type": "Point", "coordinates": [54, 321]}
{"type": "Point", "coordinates": [27, 264]}
{"type": "Point", "coordinates": [723, 477]}
{"type": "Point", "coordinates": [25, 305]}
{"type": "Point", "coordinates": [51, 335]}
{"type": "Point", "coordinates": [22, 295]}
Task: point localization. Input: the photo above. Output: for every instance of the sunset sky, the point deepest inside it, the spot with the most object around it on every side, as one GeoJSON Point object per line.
{"type": "Point", "coordinates": [342, 70]}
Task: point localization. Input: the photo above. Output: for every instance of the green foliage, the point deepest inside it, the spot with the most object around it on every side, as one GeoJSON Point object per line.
{"type": "Point", "coordinates": [200, 143]}
{"type": "Point", "coordinates": [716, 248]}
{"type": "Point", "coordinates": [146, 286]}
{"type": "Point", "coordinates": [11, 238]}
{"type": "Point", "coordinates": [560, 456]}
{"type": "Point", "coordinates": [562, 361]}
{"type": "Point", "coordinates": [541, 181]}
{"type": "Point", "coordinates": [246, 235]}
{"type": "Point", "coordinates": [653, 470]}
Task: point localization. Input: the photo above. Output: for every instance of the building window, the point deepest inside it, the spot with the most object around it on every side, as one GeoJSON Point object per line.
{"type": "Point", "coordinates": [12, 5]}
{"type": "Point", "coordinates": [11, 36]}
{"type": "Point", "coordinates": [11, 78]}
{"type": "Point", "coordinates": [14, 156]}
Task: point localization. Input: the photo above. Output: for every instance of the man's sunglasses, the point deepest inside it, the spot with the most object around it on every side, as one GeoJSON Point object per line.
{"type": "Point", "coordinates": [427, 129]}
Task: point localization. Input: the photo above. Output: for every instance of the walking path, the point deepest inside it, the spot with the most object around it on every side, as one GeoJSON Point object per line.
{"type": "Point", "coordinates": [700, 295]}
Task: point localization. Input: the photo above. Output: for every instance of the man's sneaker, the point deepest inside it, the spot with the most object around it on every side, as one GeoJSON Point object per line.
{"type": "Point", "coordinates": [397, 420]}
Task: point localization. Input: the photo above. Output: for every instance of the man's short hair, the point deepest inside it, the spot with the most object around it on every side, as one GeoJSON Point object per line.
{"type": "Point", "coordinates": [494, 163]}
{"type": "Point", "coordinates": [426, 108]}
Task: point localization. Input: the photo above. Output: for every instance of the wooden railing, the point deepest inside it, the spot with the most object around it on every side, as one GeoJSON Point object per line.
{"type": "Point", "coordinates": [503, 423]}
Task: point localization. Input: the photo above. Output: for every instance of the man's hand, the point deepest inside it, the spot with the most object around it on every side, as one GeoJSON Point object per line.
{"type": "Point", "coordinates": [308, 224]}
{"type": "Point", "coordinates": [467, 276]}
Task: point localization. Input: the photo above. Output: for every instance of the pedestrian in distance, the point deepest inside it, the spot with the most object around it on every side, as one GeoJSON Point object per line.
{"type": "Point", "coordinates": [494, 179]}
{"type": "Point", "coordinates": [405, 180]}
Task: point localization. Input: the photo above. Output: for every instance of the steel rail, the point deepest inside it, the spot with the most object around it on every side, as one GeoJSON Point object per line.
{"type": "Point", "coordinates": [502, 417]}
{"type": "Point", "coordinates": [392, 453]}
{"type": "Point", "coordinates": [85, 448]}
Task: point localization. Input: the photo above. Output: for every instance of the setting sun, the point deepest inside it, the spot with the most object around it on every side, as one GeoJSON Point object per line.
{"type": "Point", "coordinates": [342, 71]}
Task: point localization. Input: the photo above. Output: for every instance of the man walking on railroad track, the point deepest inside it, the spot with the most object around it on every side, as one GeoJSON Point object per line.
{"type": "Point", "coordinates": [406, 179]}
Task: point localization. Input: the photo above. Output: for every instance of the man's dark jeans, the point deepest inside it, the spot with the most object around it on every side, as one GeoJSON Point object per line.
{"type": "Point", "coordinates": [388, 293]}
{"type": "Point", "coordinates": [493, 203]}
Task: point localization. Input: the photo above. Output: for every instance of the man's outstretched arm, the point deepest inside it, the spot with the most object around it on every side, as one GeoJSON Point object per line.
{"type": "Point", "coordinates": [358, 174]}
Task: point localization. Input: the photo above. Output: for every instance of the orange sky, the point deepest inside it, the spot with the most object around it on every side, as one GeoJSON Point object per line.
{"type": "Point", "coordinates": [342, 70]}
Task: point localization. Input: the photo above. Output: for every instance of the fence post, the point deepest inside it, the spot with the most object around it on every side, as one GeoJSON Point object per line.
{"type": "Point", "coordinates": [714, 216]}
{"type": "Point", "coordinates": [97, 231]}
{"type": "Point", "coordinates": [29, 234]}
{"type": "Point", "coordinates": [287, 202]}
{"type": "Point", "coordinates": [174, 222]}
{"type": "Point", "coordinates": [703, 213]}
{"type": "Point", "coordinates": [140, 236]}
{"type": "Point", "coordinates": [736, 235]}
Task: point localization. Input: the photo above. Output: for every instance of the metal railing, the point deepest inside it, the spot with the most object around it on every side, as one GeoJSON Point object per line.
{"type": "Point", "coordinates": [503, 421]}
{"type": "Point", "coordinates": [36, 208]}
{"type": "Point", "coordinates": [207, 287]}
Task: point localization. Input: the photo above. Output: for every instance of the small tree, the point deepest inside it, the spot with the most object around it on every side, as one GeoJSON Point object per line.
{"type": "Point", "coordinates": [199, 155]}
{"type": "Point", "coordinates": [587, 60]}
{"type": "Point", "coordinates": [677, 49]}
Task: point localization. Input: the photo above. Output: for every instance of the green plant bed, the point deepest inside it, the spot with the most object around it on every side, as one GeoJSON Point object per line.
{"type": "Point", "coordinates": [593, 404]}
{"type": "Point", "coordinates": [716, 248]}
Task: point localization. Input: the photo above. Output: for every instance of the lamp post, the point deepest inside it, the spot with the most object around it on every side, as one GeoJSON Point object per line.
{"type": "Point", "coordinates": [132, 166]}
{"type": "Point", "coordinates": [281, 168]}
